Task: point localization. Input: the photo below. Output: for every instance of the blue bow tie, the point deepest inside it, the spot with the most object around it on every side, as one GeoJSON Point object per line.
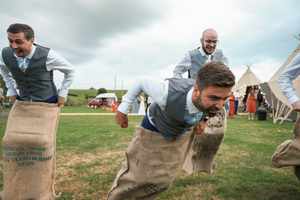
{"type": "Point", "coordinates": [23, 63]}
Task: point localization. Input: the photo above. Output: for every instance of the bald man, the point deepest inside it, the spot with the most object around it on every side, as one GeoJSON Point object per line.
{"type": "Point", "coordinates": [201, 156]}
{"type": "Point", "coordinates": [196, 58]}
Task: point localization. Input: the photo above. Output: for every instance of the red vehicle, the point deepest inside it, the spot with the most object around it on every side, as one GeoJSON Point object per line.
{"type": "Point", "coordinates": [95, 103]}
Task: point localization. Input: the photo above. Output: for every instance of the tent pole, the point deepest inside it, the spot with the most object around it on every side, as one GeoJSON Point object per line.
{"type": "Point", "coordinates": [276, 113]}
{"type": "Point", "coordinates": [286, 116]}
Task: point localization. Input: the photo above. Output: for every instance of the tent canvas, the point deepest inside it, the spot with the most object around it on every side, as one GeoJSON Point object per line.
{"type": "Point", "coordinates": [247, 79]}
{"type": "Point", "coordinates": [283, 109]}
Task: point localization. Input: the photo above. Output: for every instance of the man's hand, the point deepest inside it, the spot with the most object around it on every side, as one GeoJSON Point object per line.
{"type": "Point", "coordinates": [61, 101]}
{"type": "Point", "coordinates": [12, 99]}
{"type": "Point", "coordinates": [199, 128]}
{"type": "Point", "coordinates": [121, 119]}
{"type": "Point", "coordinates": [296, 106]}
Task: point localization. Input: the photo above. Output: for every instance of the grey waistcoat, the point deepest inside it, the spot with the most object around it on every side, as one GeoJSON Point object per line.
{"type": "Point", "coordinates": [198, 60]}
{"type": "Point", "coordinates": [170, 122]}
{"type": "Point", "coordinates": [36, 83]}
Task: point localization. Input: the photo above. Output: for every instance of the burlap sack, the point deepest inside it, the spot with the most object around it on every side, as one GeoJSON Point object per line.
{"type": "Point", "coordinates": [204, 147]}
{"type": "Point", "coordinates": [29, 151]}
{"type": "Point", "coordinates": [150, 167]}
{"type": "Point", "coordinates": [287, 154]}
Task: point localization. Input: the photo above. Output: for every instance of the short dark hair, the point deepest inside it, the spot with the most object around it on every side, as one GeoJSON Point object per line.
{"type": "Point", "coordinates": [215, 74]}
{"type": "Point", "coordinates": [21, 28]}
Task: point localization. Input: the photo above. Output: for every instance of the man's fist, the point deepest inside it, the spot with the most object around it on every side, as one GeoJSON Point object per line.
{"type": "Point", "coordinates": [296, 106]}
{"type": "Point", "coordinates": [199, 128]}
{"type": "Point", "coordinates": [61, 102]}
{"type": "Point", "coordinates": [12, 99]}
{"type": "Point", "coordinates": [121, 119]}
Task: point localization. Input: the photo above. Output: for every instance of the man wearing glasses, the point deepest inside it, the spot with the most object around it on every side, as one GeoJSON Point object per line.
{"type": "Point", "coordinates": [205, 146]}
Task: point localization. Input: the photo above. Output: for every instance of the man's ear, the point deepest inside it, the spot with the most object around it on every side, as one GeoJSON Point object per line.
{"type": "Point", "coordinates": [197, 90]}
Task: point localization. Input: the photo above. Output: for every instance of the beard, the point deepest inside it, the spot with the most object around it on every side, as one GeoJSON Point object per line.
{"type": "Point", "coordinates": [210, 111]}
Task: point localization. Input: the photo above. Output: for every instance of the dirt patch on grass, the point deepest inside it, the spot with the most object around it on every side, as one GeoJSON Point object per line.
{"type": "Point", "coordinates": [71, 158]}
{"type": "Point", "coordinates": [75, 172]}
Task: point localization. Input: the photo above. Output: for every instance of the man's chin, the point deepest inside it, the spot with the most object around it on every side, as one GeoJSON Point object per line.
{"type": "Point", "coordinates": [209, 51]}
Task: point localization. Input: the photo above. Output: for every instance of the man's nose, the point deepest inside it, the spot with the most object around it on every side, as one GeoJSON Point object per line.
{"type": "Point", "coordinates": [13, 45]}
{"type": "Point", "coordinates": [220, 104]}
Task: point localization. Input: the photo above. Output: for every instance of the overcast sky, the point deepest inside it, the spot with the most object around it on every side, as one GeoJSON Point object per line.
{"type": "Point", "coordinates": [114, 42]}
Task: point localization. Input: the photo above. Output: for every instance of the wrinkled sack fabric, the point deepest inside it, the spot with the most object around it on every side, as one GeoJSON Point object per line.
{"type": "Point", "coordinates": [288, 152]}
{"type": "Point", "coordinates": [151, 165]}
{"type": "Point", "coordinates": [29, 151]}
{"type": "Point", "coordinates": [200, 157]}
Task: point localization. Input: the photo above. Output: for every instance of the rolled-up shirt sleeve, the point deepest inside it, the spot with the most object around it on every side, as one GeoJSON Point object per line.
{"type": "Point", "coordinates": [10, 83]}
{"type": "Point", "coordinates": [286, 78]}
{"type": "Point", "coordinates": [155, 89]}
{"type": "Point", "coordinates": [57, 62]}
{"type": "Point", "coordinates": [183, 66]}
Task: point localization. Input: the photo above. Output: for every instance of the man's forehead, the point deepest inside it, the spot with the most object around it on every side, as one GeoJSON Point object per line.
{"type": "Point", "coordinates": [15, 36]}
{"type": "Point", "coordinates": [210, 34]}
{"type": "Point", "coordinates": [217, 89]}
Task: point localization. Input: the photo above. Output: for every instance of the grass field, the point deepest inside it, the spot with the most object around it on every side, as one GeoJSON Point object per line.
{"type": "Point", "coordinates": [90, 150]}
{"type": "Point", "coordinates": [83, 109]}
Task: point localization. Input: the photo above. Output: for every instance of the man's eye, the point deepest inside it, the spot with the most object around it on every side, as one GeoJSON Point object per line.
{"type": "Point", "coordinates": [19, 42]}
{"type": "Point", "coordinates": [211, 41]}
{"type": "Point", "coordinates": [214, 98]}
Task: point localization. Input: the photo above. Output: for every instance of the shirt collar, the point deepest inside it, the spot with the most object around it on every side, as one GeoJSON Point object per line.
{"type": "Point", "coordinates": [204, 54]}
{"type": "Point", "coordinates": [29, 56]}
{"type": "Point", "coordinates": [189, 103]}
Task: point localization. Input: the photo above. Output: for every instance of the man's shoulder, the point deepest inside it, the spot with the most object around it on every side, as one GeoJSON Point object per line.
{"type": "Point", "coordinates": [5, 52]}
{"type": "Point", "coordinates": [5, 49]}
{"type": "Point", "coordinates": [197, 51]}
{"type": "Point", "coordinates": [219, 51]}
{"type": "Point", "coordinates": [194, 51]}
{"type": "Point", "coordinates": [181, 82]}
{"type": "Point", "coordinates": [38, 46]}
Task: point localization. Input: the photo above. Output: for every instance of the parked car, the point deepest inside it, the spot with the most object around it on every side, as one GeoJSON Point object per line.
{"type": "Point", "coordinates": [95, 103]}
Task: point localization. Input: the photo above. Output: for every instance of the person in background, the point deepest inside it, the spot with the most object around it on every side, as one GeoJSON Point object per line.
{"type": "Point", "coordinates": [285, 82]}
{"type": "Point", "coordinates": [192, 62]}
{"type": "Point", "coordinates": [251, 104]}
{"type": "Point", "coordinates": [231, 99]}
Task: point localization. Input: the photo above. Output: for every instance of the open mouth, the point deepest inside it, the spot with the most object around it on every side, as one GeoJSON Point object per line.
{"type": "Point", "coordinates": [18, 51]}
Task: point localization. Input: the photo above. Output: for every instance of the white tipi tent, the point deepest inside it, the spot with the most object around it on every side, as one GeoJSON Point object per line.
{"type": "Point", "coordinates": [282, 109]}
{"type": "Point", "coordinates": [247, 79]}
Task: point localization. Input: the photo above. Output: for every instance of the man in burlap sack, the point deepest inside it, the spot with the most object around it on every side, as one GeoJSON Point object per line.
{"type": "Point", "coordinates": [29, 140]}
{"type": "Point", "coordinates": [159, 146]}
{"type": "Point", "coordinates": [288, 153]}
{"type": "Point", "coordinates": [205, 146]}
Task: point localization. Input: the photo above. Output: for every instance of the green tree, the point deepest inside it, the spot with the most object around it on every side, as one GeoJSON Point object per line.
{"type": "Point", "coordinates": [101, 91]}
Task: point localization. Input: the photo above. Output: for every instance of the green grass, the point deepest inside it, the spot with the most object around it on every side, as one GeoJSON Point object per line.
{"type": "Point", "coordinates": [83, 109]}
{"type": "Point", "coordinates": [90, 150]}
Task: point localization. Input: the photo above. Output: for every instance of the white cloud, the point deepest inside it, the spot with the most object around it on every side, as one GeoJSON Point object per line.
{"type": "Point", "coordinates": [133, 39]}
